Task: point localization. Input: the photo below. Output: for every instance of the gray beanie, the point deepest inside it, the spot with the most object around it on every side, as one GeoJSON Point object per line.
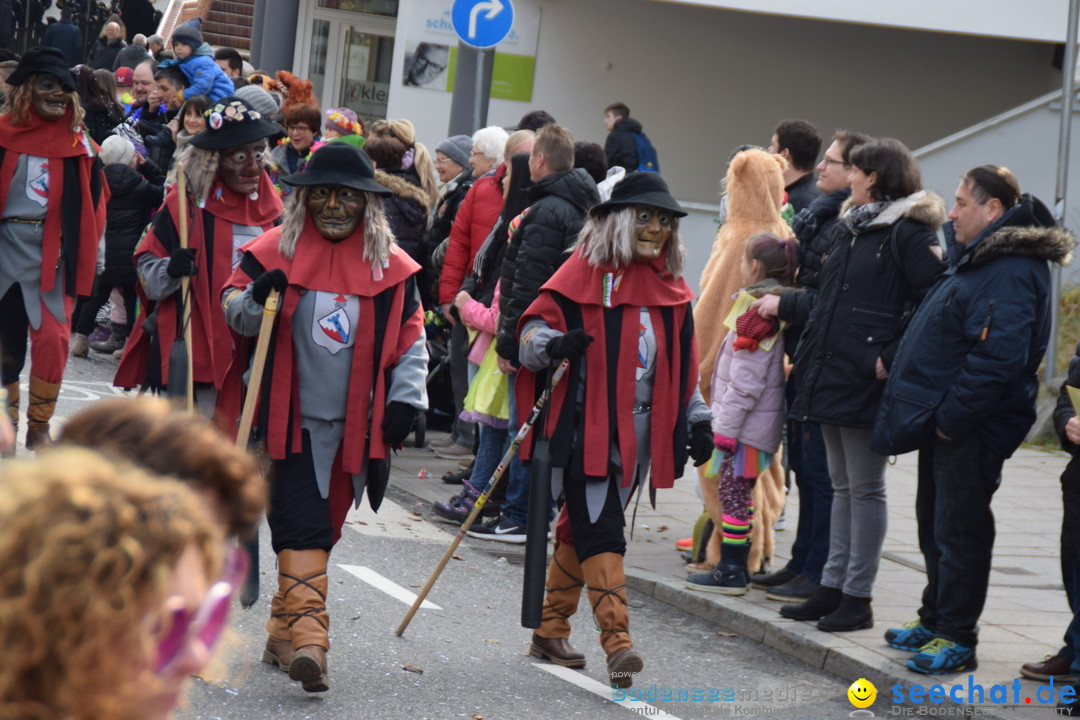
{"type": "Point", "coordinates": [189, 32]}
{"type": "Point", "coordinates": [458, 148]}
{"type": "Point", "coordinates": [259, 99]}
{"type": "Point", "coordinates": [116, 151]}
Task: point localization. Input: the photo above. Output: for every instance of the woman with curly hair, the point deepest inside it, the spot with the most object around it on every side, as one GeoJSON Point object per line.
{"type": "Point", "coordinates": [104, 566]}
{"type": "Point", "coordinates": [53, 195]}
{"type": "Point", "coordinates": [153, 434]}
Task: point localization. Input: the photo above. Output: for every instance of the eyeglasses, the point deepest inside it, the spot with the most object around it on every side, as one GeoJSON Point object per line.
{"type": "Point", "coordinates": [826, 161]}
{"type": "Point", "coordinates": [207, 623]}
{"type": "Point", "coordinates": [298, 128]}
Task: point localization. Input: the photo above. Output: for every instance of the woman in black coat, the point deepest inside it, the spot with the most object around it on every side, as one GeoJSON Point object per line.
{"type": "Point", "coordinates": [408, 206]}
{"type": "Point", "coordinates": [870, 283]}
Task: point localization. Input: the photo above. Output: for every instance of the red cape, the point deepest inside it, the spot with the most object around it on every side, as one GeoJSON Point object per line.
{"type": "Point", "coordinates": [595, 290]}
{"type": "Point", "coordinates": [332, 267]}
{"type": "Point", "coordinates": [212, 341]}
{"type": "Point", "coordinates": [74, 222]}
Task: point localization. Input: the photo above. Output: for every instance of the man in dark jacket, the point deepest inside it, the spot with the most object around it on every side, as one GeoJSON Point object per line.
{"type": "Point", "coordinates": [798, 142]}
{"type": "Point", "coordinates": [962, 390]}
{"type": "Point", "coordinates": [817, 228]}
{"type": "Point", "coordinates": [1067, 425]}
{"type": "Point", "coordinates": [624, 136]}
{"type": "Point", "coordinates": [560, 197]}
{"type": "Point", "coordinates": [66, 37]}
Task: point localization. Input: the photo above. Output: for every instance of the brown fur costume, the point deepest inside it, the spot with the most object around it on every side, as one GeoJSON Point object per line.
{"type": "Point", "coordinates": [755, 195]}
{"type": "Point", "coordinates": [297, 91]}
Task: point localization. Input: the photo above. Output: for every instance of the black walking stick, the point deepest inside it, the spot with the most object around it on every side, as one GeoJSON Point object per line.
{"type": "Point", "coordinates": [536, 532]}
{"type": "Point", "coordinates": [482, 500]}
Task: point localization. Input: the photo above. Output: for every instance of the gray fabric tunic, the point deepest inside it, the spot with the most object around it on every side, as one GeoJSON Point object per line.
{"type": "Point", "coordinates": [20, 242]}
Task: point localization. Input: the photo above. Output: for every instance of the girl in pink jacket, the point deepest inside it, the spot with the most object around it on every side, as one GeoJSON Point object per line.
{"type": "Point", "coordinates": [748, 409]}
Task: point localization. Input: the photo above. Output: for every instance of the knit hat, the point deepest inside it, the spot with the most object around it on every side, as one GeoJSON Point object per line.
{"type": "Point", "coordinates": [259, 99]}
{"type": "Point", "coordinates": [458, 148]}
{"type": "Point", "coordinates": [124, 76]}
{"type": "Point", "coordinates": [116, 150]}
{"type": "Point", "coordinates": [344, 121]}
{"type": "Point", "coordinates": [189, 32]}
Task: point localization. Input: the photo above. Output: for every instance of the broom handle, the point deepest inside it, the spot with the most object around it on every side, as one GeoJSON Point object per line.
{"type": "Point", "coordinates": [257, 366]}
{"type": "Point", "coordinates": [185, 285]}
{"type": "Point", "coordinates": [523, 431]}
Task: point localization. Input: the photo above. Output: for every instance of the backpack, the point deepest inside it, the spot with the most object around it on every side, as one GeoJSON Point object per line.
{"type": "Point", "coordinates": [647, 160]}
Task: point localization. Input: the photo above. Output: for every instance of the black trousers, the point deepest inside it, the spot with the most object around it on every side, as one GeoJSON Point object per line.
{"type": "Point", "coordinates": [606, 535]}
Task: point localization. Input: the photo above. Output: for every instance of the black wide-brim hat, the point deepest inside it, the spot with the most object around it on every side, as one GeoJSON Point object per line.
{"type": "Point", "coordinates": [44, 61]}
{"type": "Point", "coordinates": [640, 188]}
{"type": "Point", "coordinates": [231, 122]}
{"type": "Point", "coordinates": [339, 163]}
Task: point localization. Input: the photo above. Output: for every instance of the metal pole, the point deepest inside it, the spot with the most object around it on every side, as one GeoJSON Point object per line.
{"type": "Point", "coordinates": [478, 100]}
{"type": "Point", "coordinates": [1067, 98]}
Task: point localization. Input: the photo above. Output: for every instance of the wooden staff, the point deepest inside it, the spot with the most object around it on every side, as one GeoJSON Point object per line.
{"type": "Point", "coordinates": [258, 364]}
{"type": "Point", "coordinates": [482, 500]}
{"type": "Point", "coordinates": [185, 285]}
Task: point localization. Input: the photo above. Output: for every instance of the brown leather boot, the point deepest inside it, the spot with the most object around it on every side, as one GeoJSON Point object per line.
{"type": "Point", "coordinates": [39, 413]}
{"type": "Point", "coordinates": [304, 592]}
{"type": "Point", "coordinates": [12, 409]}
{"type": "Point", "coordinates": [607, 595]}
{"type": "Point", "coordinates": [564, 585]}
{"type": "Point", "coordinates": [279, 649]}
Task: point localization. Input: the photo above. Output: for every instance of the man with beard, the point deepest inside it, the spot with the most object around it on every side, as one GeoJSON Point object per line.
{"type": "Point", "coordinates": [54, 196]}
{"type": "Point", "coordinates": [230, 201]}
{"type": "Point", "coordinates": [348, 360]}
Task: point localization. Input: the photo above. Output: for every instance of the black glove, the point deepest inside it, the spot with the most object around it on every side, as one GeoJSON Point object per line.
{"type": "Point", "coordinates": [570, 345]}
{"type": "Point", "coordinates": [398, 423]}
{"type": "Point", "coordinates": [701, 443]}
{"type": "Point", "coordinates": [260, 289]}
{"type": "Point", "coordinates": [181, 262]}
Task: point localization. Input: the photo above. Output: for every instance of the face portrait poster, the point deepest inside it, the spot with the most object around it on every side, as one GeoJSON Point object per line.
{"type": "Point", "coordinates": [431, 47]}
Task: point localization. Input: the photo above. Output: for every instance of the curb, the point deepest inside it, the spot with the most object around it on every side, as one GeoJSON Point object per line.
{"type": "Point", "coordinates": [822, 650]}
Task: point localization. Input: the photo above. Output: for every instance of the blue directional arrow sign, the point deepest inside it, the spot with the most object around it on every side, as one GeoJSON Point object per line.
{"type": "Point", "coordinates": [482, 24]}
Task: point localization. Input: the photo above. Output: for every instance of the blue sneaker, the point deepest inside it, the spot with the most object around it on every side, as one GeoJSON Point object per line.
{"type": "Point", "coordinates": [910, 637]}
{"type": "Point", "coordinates": [941, 657]}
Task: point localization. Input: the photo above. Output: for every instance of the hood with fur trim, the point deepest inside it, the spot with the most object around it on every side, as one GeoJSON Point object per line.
{"type": "Point", "coordinates": [924, 206]}
{"type": "Point", "coordinates": [397, 183]}
{"type": "Point", "coordinates": [1027, 230]}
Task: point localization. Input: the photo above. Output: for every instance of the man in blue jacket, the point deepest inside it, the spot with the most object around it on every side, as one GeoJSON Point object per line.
{"type": "Point", "coordinates": [66, 37]}
{"type": "Point", "coordinates": [962, 391]}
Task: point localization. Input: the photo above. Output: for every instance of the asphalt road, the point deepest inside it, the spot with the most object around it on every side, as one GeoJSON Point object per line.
{"type": "Point", "coordinates": [468, 658]}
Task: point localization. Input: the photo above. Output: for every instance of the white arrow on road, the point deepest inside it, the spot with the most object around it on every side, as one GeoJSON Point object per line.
{"type": "Point", "coordinates": [493, 7]}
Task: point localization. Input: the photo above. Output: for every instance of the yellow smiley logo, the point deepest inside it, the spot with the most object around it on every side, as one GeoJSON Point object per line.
{"type": "Point", "coordinates": [862, 693]}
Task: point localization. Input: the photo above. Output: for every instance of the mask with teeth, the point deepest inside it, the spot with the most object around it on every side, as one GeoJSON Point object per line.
{"type": "Point", "coordinates": [336, 210]}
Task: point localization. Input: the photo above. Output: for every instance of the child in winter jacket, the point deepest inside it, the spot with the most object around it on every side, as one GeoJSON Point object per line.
{"type": "Point", "coordinates": [195, 59]}
{"type": "Point", "coordinates": [136, 187]}
{"type": "Point", "coordinates": [748, 409]}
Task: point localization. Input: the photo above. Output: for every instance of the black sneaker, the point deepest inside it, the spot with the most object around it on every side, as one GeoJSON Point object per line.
{"type": "Point", "coordinates": [767, 581]}
{"type": "Point", "coordinates": [795, 590]}
{"type": "Point", "coordinates": [502, 529]}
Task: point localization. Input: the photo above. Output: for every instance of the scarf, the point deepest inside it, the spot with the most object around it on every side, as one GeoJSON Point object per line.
{"type": "Point", "coordinates": [805, 224]}
{"type": "Point", "coordinates": [860, 217]}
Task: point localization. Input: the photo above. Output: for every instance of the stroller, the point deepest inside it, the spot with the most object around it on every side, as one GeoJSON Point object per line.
{"type": "Point", "coordinates": [440, 413]}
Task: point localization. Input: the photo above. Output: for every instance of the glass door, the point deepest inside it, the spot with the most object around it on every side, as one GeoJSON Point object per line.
{"type": "Point", "coordinates": [365, 73]}
{"type": "Point", "coordinates": [346, 49]}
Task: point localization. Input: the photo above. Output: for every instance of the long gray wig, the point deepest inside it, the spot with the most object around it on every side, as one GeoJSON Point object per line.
{"type": "Point", "coordinates": [378, 237]}
{"type": "Point", "coordinates": [609, 240]}
{"type": "Point", "coordinates": [200, 167]}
